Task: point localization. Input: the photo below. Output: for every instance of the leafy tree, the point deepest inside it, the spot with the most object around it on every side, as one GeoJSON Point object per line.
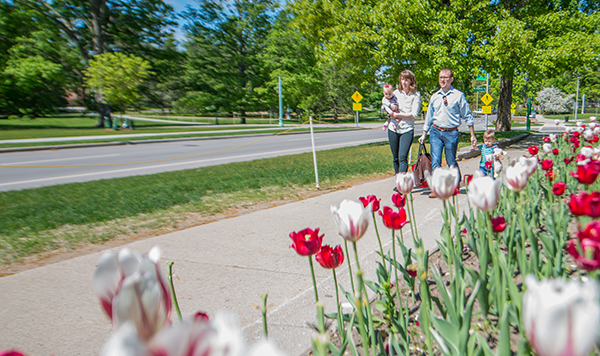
{"type": "Point", "coordinates": [225, 40]}
{"type": "Point", "coordinates": [117, 76]}
{"type": "Point", "coordinates": [553, 101]}
{"type": "Point", "coordinates": [93, 27]}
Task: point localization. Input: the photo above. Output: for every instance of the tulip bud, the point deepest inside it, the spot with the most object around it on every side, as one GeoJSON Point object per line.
{"type": "Point", "coordinates": [405, 182]}
{"type": "Point", "coordinates": [484, 193]}
{"type": "Point", "coordinates": [443, 182]}
{"type": "Point", "coordinates": [547, 147]}
{"type": "Point", "coordinates": [561, 317]}
{"type": "Point", "coordinates": [351, 218]}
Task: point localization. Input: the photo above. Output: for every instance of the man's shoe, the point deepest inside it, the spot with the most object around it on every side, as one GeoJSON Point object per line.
{"type": "Point", "coordinates": [431, 195]}
{"type": "Point", "coordinates": [395, 189]}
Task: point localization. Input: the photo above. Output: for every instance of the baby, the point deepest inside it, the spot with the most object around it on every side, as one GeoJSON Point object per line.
{"type": "Point", "coordinates": [389, 104]}
{"type": "Point", "coordinates": [491, 155]}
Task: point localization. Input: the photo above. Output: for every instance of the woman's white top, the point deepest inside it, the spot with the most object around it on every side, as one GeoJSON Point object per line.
{"type": "Point", "coordinates": [407, 104]}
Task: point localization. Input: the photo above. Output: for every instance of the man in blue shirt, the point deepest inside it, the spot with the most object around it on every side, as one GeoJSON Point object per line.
{"type": "Point", "coordinates": [446, 109]}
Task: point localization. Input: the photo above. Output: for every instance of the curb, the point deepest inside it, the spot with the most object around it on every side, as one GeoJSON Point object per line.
{"type": "Point", "coordinates": [101, 144]}
{"type": "Point", "coordinates": [474, 152]}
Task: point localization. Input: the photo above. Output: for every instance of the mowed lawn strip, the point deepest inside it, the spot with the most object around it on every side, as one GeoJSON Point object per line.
{"type": "Point", "coordinates": [69, 215]}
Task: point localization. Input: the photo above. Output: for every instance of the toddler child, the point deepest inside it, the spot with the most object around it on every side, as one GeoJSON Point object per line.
{"type": "Point", "coordinates": [490, 153]}
{"type": "Point", "coordinates": [389, 104]}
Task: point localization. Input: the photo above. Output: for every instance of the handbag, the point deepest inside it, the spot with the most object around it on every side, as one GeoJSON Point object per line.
{"type": "Point", "coordinates": [423, 164]}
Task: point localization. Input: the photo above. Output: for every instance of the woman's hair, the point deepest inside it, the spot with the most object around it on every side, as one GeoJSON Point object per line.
{"type": "Point", "coordinates": [489, 134]}
{"type": "Point", "coordinates": [407, 74]}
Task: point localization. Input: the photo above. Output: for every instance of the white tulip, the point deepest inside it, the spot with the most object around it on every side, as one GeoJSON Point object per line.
{"type": "Point", "coordinates": [561, 317]}
{"type": "Point", "coordinates": [593, 119]}
{"type": "Point", "coordinates": [552, 137]}
{"type": "Point", "coordinates": [443, 182]}
{"type": "Point", "coordinates": [484, 192]}
{"type": "Point", "coordinates": [580, 129]}
{"type": "Point", "coordinates": [351, 218]}
{"type": "Point", "coordinates": [557, 122]}
{"type": "Point", "coordinates": [587, 151]}
{"type": "Point", "coordinates": [597, 130]}
{"type": "Point", "coordinates": [530, 163]}
{"type": "Point", "coordinates": [515, 176]}
{"type": "Point", "coordinates": [125, 342]}
{"type": "Point", "coordinates": [593, 125]}
{"type": "Point", "coordinates": [132, 288]}
{"type": "Point", "coordinates": [588, 134]}
{"type": "Point", "coordinates": [265, 348]}
{"type": "Point", "coordinates": [579, 123]}
{"type": "Point", "coordinates": [405, 182]}
{"type": "Point", "coordinates": [547, 147]}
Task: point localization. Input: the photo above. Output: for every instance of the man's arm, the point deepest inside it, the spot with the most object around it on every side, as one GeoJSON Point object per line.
{"type": "Point", "coordinates": [473, 138]}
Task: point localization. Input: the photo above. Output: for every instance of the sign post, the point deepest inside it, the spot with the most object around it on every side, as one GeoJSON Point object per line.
{"type": "Point", "coordinates": [356, 105]}
{"type": "Point", "coordinates": [487, 109]}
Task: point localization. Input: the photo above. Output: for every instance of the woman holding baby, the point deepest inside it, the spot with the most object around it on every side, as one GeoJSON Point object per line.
{"type": "Point", "coordinates": [401, 132]}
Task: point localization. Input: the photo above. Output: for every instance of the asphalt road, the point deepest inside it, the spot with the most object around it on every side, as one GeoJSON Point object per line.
{"type": "Point", "coordinates": [32, 169]}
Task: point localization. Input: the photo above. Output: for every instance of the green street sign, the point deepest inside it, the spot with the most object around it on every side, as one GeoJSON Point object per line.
{"type": "Point", "coordinates": [481, 77]}
{"type": "Point", "coordinates": [479, 89]}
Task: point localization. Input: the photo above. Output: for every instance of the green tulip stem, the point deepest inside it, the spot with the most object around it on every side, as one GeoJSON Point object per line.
{"type": "Point", "coordinates": [413, 222]}
{"type": "Point", "coordinates": [379, 240]}
{"type": "Point", "coordinates": [356, 255]}
{"type": "Point", "coordinates": [264, 315]}
{"type": "Point", "coordinates": [312, 271]}
{"type": "Point", "coordinates": [170, 275]}
{"type": "Point", "coordinates": [340, 320]}
{"type": "Point", "coordinates": [396, 261]}
{"type": "Point", "coordinates": [349, 267]}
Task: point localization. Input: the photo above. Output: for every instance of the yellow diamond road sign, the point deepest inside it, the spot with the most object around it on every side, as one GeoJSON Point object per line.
{"type": "Point", "coordinates": [486, 109]}
{"type": "Point", "coordinates": [512, 106]}
{"type": "Point", "coordinates": [357, 106]}
{"type": "Point", "coordinates": [357, 97]}
{"type": "Point", "coordinates": [487, 98]}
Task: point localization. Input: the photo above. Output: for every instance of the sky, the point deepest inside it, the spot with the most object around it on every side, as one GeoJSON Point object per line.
{"type": "Point", "coordinates": [179, 6]}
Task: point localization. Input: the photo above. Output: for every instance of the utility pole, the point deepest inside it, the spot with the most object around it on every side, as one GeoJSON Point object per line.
{"type": "Point", "coordinates": [576, 99]}
{"type": "Point", "coordinates": [280, 104]}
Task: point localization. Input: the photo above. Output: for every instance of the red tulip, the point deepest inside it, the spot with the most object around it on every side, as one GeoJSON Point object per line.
{"type": "Point", "coordinates": [547, 139]}
{"type": "Point", "coordinates": [587, 173]}
{"type": "Point", "coordinates": [370, 199]}
{"type": "Point", "coordinates": [498, 224]}
{"type": "Point", "coordinates": [575, 134]}
{"type": "Point", "coordinates": [393, 220]}
{"type": "Point", "coordinates": [568, 160]}
{"type": "Point", "coordinates": [559, 188]}
{"type": "Point", "coordinates": [488, 164]}
{"type": "Point", "coordinates": [307, 242]}
{"type": "Point", "coordinates": [595, 139]}
{"type": "Point", "coordinates": [468, 178]}
{"type": "Point", "coordinates": [576, 204]}
{"type": "Point", "coordinates": [200, 316]}
{"type": "Point", "coordinates": [11, 353]}
{"type": "Point", "coordinates": [580, 158]}
{"type": "Point", "coordinates": [547, 164]}
{"type": "Point", "coordinates": [591, 204]}
{"type": "Point", "coordinates": [330, 257]}
{"type": "Point", "coordinates": [533, 150]}
{"type": "Point", "coordinates": [549, 175]}
{"type": "Point", "coordinates": [589, 241]}
{"type": "Point", "coordinates": [411, 270]}
{"type": "Point", "coordinates": [555, 151]}
{"type": "Point", "coordinates": [399, 200]}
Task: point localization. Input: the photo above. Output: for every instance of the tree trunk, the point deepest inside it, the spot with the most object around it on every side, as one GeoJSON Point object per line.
{"type": "Point", "coordinates": [503, 122]}
{"type": "Point", "coordinates": [335, 112]}
{"type": "Point", "coordinates": [243, 117]}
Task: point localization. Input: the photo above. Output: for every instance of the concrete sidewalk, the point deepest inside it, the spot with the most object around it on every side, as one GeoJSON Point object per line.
{"type": "Point", "coordinates": [225, 265]}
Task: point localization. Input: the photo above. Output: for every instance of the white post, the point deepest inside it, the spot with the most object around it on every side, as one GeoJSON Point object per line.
{"type": "Point", "coordinates": [312, 140]}
{"type": "Point", "coordinates": [583, 105]}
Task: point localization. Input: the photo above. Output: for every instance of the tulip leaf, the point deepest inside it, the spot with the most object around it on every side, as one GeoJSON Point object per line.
{"type": "Point", "coordinates": [450, 304]}
{"type": "Point", "coordinates": [396, 346]}
{"type": "Point", "coordinates": [446, 330]}
{"type": "Point", "coordinates": [504, 339]}
{"type": "Point", "coordinates": [483, 345]}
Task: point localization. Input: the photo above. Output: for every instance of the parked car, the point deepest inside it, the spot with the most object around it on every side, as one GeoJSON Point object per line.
{"type": "Point", "coordinates": [494, 111]}
{"type": "Point", "coordinates": [478, 112]}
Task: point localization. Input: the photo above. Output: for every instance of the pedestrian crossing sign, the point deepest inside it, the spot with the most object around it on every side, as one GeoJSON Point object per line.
{"type": "Point", "coordinates": [487, 99]}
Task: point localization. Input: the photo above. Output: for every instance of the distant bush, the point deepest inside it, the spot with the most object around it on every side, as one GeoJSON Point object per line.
{"type": "Point", "coordinates": [554, 101]}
